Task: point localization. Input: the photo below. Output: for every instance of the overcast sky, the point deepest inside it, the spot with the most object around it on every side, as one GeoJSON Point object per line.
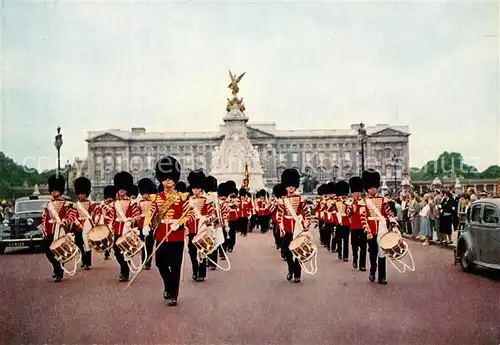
{"type": "Point", "coordinates": [97, 65]}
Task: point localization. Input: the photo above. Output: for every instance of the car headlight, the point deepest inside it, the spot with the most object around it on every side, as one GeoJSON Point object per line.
{"type": "Point", "coordinates": [30, 222]}
{"type": "Point", "coordinates": [5, 223]}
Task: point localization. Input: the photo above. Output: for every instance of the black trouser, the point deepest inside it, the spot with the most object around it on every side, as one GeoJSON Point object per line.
{"type": "Point", "coordinates": [374, 259]}
{"type": "Point", "coordinates": [264, 223]}
{"type": "Point", "coordinates": [343, 241]}
{"type": "Point", "coordinates": [277, 236]}
{"type": "Point", "coordinates": [243, 225]}
{"type": "Point", "coordinates": [199, 268]}
{"type": "Point", "coordinates": [149, 242]}
{"type": "Point", "coordinates": [358, 242]}
{"type": "Point", "coordinates": [86, 256]}
{"type": "Point", "coordinates": [169, 262]}
{"type": "Point", "coordinates": [233, 227]}
{"type": "Point", "coordinates": [324, 233]}
{"type": "Point", "coordinates": [330, 236]}
{"type": "Point", "coordinates": [107, 253]}
{"type": "Point", "coordinates": [253, 222]}
{"type": "Point", "coordinates": [124, 269]}
{"type": "Point", "coordinates": [293, 264]}
{"type": "Point", "coordinates": [56, 265]}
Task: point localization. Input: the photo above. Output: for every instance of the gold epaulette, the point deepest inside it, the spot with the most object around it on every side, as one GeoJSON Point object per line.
{"type": "Point", "coordinates": [184, 196]}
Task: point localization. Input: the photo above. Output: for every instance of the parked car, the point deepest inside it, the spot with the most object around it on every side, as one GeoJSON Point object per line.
{"type": "Point", "coordinates": [24, 228]}
{"type": "Point", "coordinates": [479, 241]}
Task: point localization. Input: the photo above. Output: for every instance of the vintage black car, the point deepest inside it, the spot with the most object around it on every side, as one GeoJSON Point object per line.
{"type": "Point", "coordinates": [24, 229]}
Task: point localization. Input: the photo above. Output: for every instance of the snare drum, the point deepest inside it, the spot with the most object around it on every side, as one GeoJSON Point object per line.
{"type": "Point", "coordinates": [101, 238]}
{"type": "Point", "coordinates": [303, 248]}
{"type": "Point", "coordinates": [393, 245]}
{"type": "Point", "coordinates": [205, 241]}
{"type": "Point", "coordinates": [130, 244]}
{"type": "Point", "coordinates": [64, 249]}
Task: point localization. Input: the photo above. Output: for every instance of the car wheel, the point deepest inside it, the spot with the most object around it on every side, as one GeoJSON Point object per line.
{"type": "Point", "coordinates": [2, 249]}
{"type": "Point", "coordinates": [465, 264]}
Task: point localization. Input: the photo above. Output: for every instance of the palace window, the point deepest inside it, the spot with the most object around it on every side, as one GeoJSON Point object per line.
{"type": "Point", "coordinates": [321, 157]}
{"type": "Point", "coordinates": [308, 157]}
{"type": "Point", "coordinates": [334, 156]}
{"type": "Point", "coordinates": [347, 155]}
{"type": "Point", "coordinates": [295, 157]}
{"type": "Point", "coordinates": [322, 173]}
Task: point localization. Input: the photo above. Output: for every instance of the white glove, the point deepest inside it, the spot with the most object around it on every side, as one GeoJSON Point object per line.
{"type": "Point", "coordinates": [145, 231]}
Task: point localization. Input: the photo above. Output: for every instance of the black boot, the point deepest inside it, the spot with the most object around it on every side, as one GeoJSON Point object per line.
{"type": "Point", "coordinates": [382, 271]}
{"type": "Point", "coordinates": [289, 276]}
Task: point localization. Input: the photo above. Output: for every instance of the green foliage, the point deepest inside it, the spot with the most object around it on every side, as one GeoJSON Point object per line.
{"type": "Point", "coordinates": [15, 175]}
{"type": "Point", "coordinates": [451, 164]}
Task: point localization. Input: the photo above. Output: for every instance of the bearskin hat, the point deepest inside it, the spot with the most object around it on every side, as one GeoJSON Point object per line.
{"type": "Point", "coordinates": [189, 190]}
{"type": "Point", "coordinates": [231, 184]}
{"type": "Point", "coordinates": [243, 191]}
{"type": "Point", "coordinates": [168, 168]}
{"type": "Point", "coordinates": [331, 188]}
{"type": "Point", "coordinates": [82, 186]}
{"type": "Point", "coordinates": [196, 179]}
{"type": "Point", "coordinates": [342, 188]}
{"type": "Point", "coordinates": [181, 187]}
{"type": "Point", "coordinates": [290, 178]}
{"type": "Point", "coordinates": [222, 190]}
{"type": "Point", "coordinates": [279, 190]}
{"type": "Point", "coordinates": [260, 193]}
{"type": "Point", "coordinates": [109, 192]}
{"type": "Point", "coordinates": [371, 179]}
{"type": "Point", "coordinates": [161, 188]}
{"type": "Point", "coordinates": [249, 194]}
{"type": "Point", "coordinates": [146, 186]}
{"type": "Point", "coordinates": [322, 189]}
{"type": "Point", "coordinates": [210, 184]}
{"type": "Point", "coordinates": [57, 183]}
{"type": "Point", "coordinates": [123, 180]}
{"type": "Point", "coordinates": [133, 191]}
{"type": "Point", "coordinates": [356, 184]}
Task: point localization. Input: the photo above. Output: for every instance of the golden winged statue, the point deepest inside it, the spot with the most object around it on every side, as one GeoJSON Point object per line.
{"type": "Point", "coordinates": [234, 83]}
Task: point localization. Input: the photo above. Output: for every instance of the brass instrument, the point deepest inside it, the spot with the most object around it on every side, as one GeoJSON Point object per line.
{"type": "Point", "coordinates": [339, 204]}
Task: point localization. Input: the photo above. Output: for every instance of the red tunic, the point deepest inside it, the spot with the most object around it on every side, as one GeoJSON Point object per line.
{"type": "Point", "coordinates": [65, 211]}
{"type": "Point", "coordinates": [234, 206]}
{"type": "Point", "coordinates": [144, 205]}
{"type": "Point", "coordinates": [273, 209]}
{"type": "Point", "coordinates": [346, 216]}
{"type": "Point", "coordinates": [205, 208]}
{"type": "Point", "coordinates": [369, 218]}
{"type": "Point", "coordinates": [261, 207]}
{"type": "Point", "coordinates": [178, 212]}
{"type": "Point", "coordinates": [330, 211]}
{"type": "Point", "coordinates": [299, 206]}
{"type": "Point", "coordinates": [130, 210]}
{"type": "Point", "coordinates": [356, 216]}
{"type": "Point", "coordinates": [94, 211]}
{"type": "Point", "coordinates": [245, 207]}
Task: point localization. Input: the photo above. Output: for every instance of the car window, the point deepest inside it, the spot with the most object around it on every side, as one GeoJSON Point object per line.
{"type": "Point", "coordinates": [30, 206]}
{"type": "Point", "coordinates": [490, 215]}
{"type": "Point", "coordinates": [476, 213]}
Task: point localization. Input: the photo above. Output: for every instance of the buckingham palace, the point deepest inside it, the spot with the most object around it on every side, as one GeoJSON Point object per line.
{"type": "Point", "coordinates": [325, 154]}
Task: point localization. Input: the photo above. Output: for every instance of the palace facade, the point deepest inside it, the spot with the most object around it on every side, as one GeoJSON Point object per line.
{"type": "Point", "coordinates": [324, 154]}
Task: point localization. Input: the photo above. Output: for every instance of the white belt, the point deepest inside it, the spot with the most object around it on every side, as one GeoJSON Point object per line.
{"type": "Point", "coordinates": [373, 218]}
{"type": "Point", "coordinates": [166, 221]}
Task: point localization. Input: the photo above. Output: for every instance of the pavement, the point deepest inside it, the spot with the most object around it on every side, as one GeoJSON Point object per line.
{"type": "Point", "coordinates": [252, 303]}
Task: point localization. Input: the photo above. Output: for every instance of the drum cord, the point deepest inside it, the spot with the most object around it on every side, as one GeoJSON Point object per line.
{"type": "Point", "coordinates": [314, 263]}
{"type": "Point", "coordinates": [392, 259]}
{"type": "Point", "coordinates": [215, 263]}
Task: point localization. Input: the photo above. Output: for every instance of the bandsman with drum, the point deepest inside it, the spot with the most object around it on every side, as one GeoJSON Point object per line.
{"type": "Point", "coordinates": [343, 220]}
{"type": "Point", "coordinates": [58, 215]}
{"type": "Point", "coordinates": [222, 211]}
{"type": "Point", "coordinates": [89, 214]}
{"type": "Point", "coordinates": [294, 218]}
{"type": "Point", "coordinates": [173, 211]}
{"type": "Point", "coordinates": [106, 207]}
{"type": "Point", "coordinates": [278, 192]}
{"type": "Point", "coordinates": [204, 215]}
{"type": "Point", "coordinates": [121, 217]}
{"type": "Point", "coordinates": [358, 235]}
{"type": "Point", "coordinates": [375, 215]}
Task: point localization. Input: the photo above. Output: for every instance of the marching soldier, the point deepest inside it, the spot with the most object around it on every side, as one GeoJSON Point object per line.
{"type": "Point", "coordinates": [375, 214]}
{"type": "Point", "coordinates": [330, 213]}
{"type": "Point", "coordinates": [343, 221]}
{"type": "Point", "coordinates": [262, 212]}
{"type": "Point", "coordinates": [121, 216]}
{"type": "Point", "coordinates": [358, 235]}
{"type": "Point", "coordinates": [204, 214]}
{"type": "Point", "coordinates": [278, 192]}
{"type": "Point", "coordinates": [148, 190]}
{"type": "Point", "coordinates": [223, 210]}
{"type": "Point", "coordinates": [234, 212]}
{"type": "Point", "coordinates": [89, 214]}
{"type": "Point", "coordinates": [58, 215]}
{"type": "Point", "coordinates": [294, 209]}
{"type": "Point", "coordinates": [109, 196]}
{"type": "Point", "coordinates": [319, 206]}
{"type": "Point", "coordinates": [245, 211]}
{"type": "Point", "coordinates": [173, 211]}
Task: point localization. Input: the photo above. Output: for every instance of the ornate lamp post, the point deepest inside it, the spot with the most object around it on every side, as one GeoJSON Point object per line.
{"type": "Point", "coordinates": [436, 183]}
{"type": "Point", "coordinates": [406, 185]}
{"type": "Point", "coordinates": [394, 163]}
{"type": "Point", "coordinates": [58, 143]}
{"type": "Point", "coordinates": [362, 139]}
{"type": "Point", "coordinates": [68, 167]}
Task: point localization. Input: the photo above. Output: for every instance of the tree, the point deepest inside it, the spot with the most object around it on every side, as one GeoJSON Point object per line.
{"type": "Point", "coordinates": [491, 172]}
